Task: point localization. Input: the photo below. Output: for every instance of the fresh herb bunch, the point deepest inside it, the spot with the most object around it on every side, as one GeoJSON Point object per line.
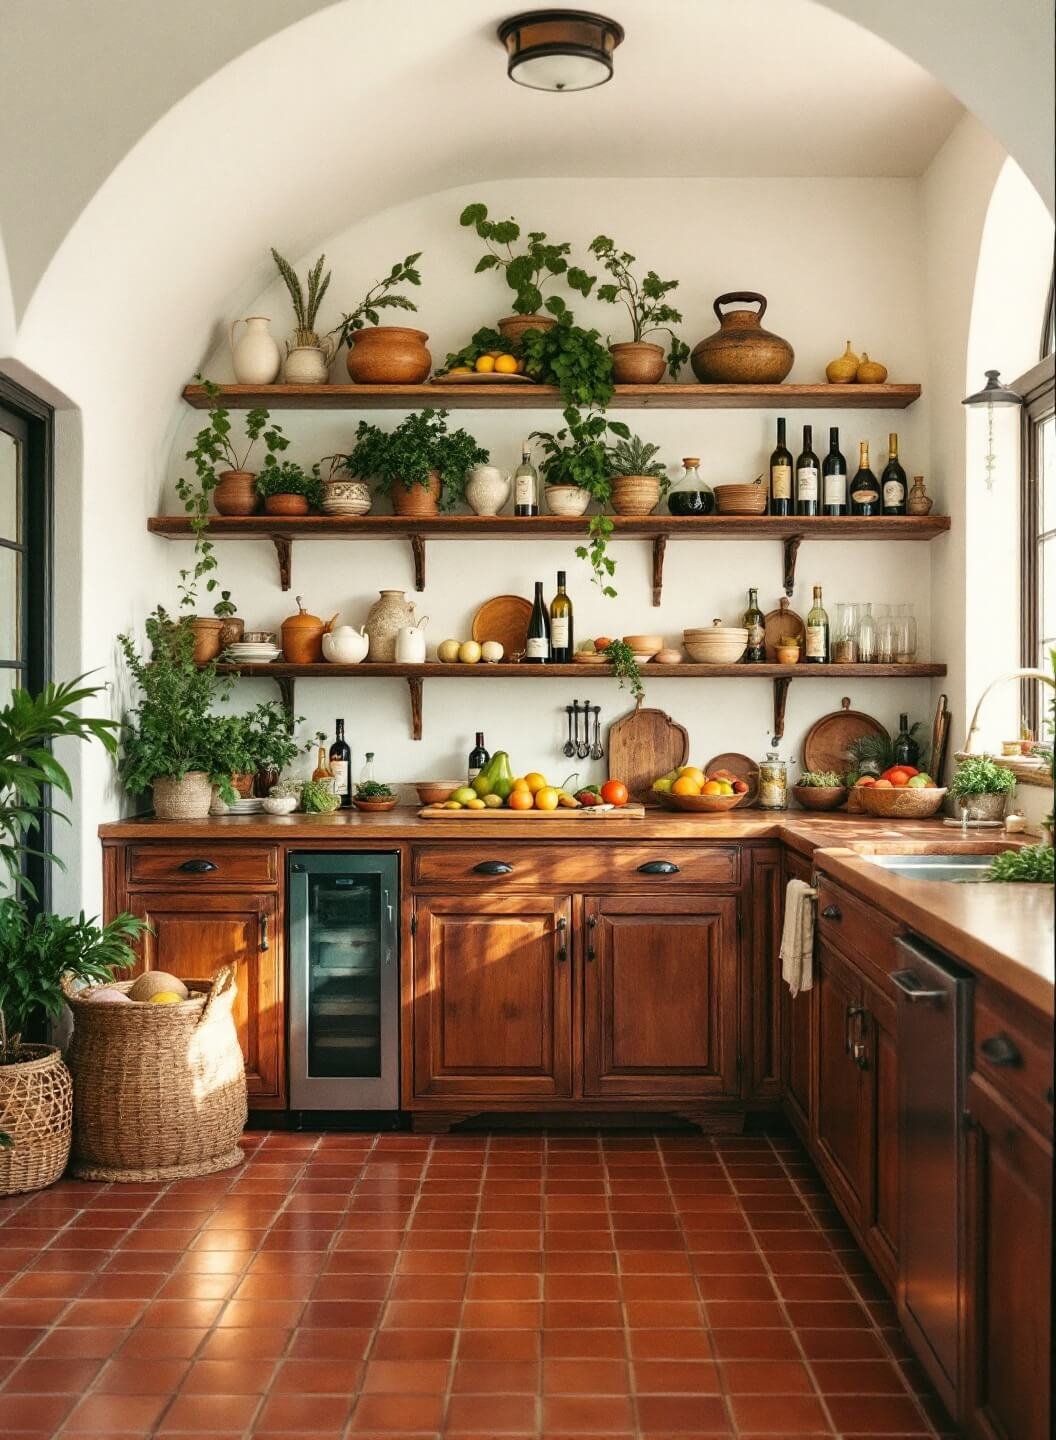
{"type": "Point", "coordinates": [381, 296]}
{"type": "Point", "coordinates": [270, 737]}
{"type": "Point", "coordinates": [820, 779]}
{"type": "Point", "coordinates": [286, 477]}
{"type": "Point", "coordinates": [525, 271]}
{"type": "Point", "coordinates": [232, 748]}
{"type": "Point", "coordinates": [213, 450]}
{"type": "Point", "coordinates": [621, 658]}
{"type": "Point", "coordinates": [1031, 865]}
{"type": "Point", "coordinates": [979, 775]}
{"type": "Point", "coordinates": [577, 455]}
{"type": "Point", "coordinates": [419, 444]}
{"type": "Point", "coordinates": [317, 798]}
{"type": "Point", "coordinates": [482, 342]}
{"type": "Point", "coordinates": [374, 790]}
{"type": "Point", "coordinates": [306, 303]}
{"type": "Point", "coordinates": [635, 457]}
{"type": "Point", "coordinates": [571, 358]}
{"type": "Point", "coordinates": [644, 299]}
{"type": "Point", "coordinates": [225, 607]}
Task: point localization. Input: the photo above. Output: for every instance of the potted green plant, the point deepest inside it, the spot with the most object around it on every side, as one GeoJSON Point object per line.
{"type": "Point", "coordinates": [271, 742]}
{"type": "Point", "coordinates": [170, 736]}
{"type": "Point", "coordinates": [385, 354]}
{"type": "Point", "coordinates": [638, 478]}
{"type": "Point", "coordinates": [525, 271]}
{"type": "Point", "coordinates": [421, 464]}
{"type": "Point", "coordinates": [232, 754]}
{"type": "Point", "coordinates": [232, 627]}
{"type": "Point", "coordinates": [287, 489]}
{"type": "Point", "coordinates": [308, 358]}
{"type": "Point", "coordinates": [37, 950]}
{"type": "Point", "coordinates": [981, 787]}
{"type": "Point", "coordinates": [571, 358]}
{"type": "Point", "coordinates": [637, 361]}
{"type": "Point", "coordinates": [575, 471]}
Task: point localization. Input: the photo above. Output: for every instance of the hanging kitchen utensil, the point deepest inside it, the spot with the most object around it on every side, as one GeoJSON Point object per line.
{"type": "Point", "coordinates": [598, 750]}
{"type": "Point", "coordinates": [743, 767]}
{"type": "Point", "coordinates": [643, 745]}
{"type": "Point", "coordinates": [575, 728]}
{"type": "Point", "coordinates": [569, 748]}
{"type": "Point", "coordinates": [829, 738]}
{"type": "Point", "coordinates": [780, 624]}
{"type": "Point", "coordinates": [583, 748]}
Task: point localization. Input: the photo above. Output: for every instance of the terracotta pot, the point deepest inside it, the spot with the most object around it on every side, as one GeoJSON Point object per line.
{"type": "Point", "coordinates": [388, 355]}
{"type": "Point", "coordinates": [390, 613]}
{"type": "Point", "coordinates": [302, 636]}
{"type": "Point", "coordinates": [286, 504]}
{"type": "Point", "coordinates": [638, 362]}
{"type": "Point", "coordinates": [236, 494]}
{"type": "Point", "coordinates": [417, 500]}
{"type": "Point", "coordinates": [207, 644]}
{"type": "Point", "coordinates": [635, 494]}
{"type": "Point", "coordinates": [514, 326]}
{"type": "Point", "coordinates": [566, 499]}
{"type": "Point", "coordinates": [243, 784]}
{"type": "Point", "coordinates": [231, 631]}
{"type": "Point", "coordinates": [741, 352]}
{"type": "Point", "coordinates": [186, 799]}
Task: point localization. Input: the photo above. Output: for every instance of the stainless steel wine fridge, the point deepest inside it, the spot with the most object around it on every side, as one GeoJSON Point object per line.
{"type": "Point", "coordinates": [344, 982]}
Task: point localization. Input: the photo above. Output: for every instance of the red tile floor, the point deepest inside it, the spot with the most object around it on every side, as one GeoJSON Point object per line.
{"type": "Point", "coordinates": [661, 1288]}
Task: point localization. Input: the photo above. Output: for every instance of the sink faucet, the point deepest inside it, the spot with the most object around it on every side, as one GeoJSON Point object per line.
{"type": "Point", "coordinates": [1027, 674]}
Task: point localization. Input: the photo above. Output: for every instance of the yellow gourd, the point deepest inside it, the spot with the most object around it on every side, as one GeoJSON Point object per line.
{"type": "Point", "coordinates": [165, 997]}
{"type": "Point", "coordinates": [843, 369]}
{"type": "Point", "coordinates": [870, 372]}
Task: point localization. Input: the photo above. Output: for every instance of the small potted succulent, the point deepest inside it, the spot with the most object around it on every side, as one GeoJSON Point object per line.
{"type": "Point", "coordinates": [981, 787]}
{"type": "Point", "coordinates": [820, 790]}
{"type": "Point", "coordinates": [637, 361]}
{"type": "Point", "coordinates": [308, 358]}
{"type": "Point", "coordinates": [287, 489]}
{"type": "Point", "coordinates": [421, 464]}
{"type": "Point", "coordinates": [525, 271]}
{"type": "Point", "coordinates": [639, 480]}
{"type": "Point", "coordinates": [385, 354]}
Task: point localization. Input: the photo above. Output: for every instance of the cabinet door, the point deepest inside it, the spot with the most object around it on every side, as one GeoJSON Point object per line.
{"type": "Point", "coordinates": [660, 997]}
{"type": "Point", "coordinates": [841, 1112]}
{"type": "Point", "coordinates": [798, 1025]}
{"type": "Point", "coordinates": [192, 936]}
{"type": "Point", "coordinates": [880, 1217]}
{"type": "Point", "coordinates": [1010, 1271]}
{"type": "Point", "coordinates": [492, 997]}
{"type": "Point", "coordinates": [761, 1021]}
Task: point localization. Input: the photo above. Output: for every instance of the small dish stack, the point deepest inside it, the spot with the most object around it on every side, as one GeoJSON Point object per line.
{"type": "Point", "coordinates": [717, 645]}
{"type": "Point", "coordinates": [252, 652]}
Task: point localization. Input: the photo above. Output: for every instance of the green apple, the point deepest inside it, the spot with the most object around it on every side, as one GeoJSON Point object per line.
{"type": "Point", "coordinates": [464, 794]}
{"type": "Point", "coordinates": [920, 782]}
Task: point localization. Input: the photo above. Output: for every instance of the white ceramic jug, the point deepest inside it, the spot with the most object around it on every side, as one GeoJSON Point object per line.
{"type": "Point", "coordinates": [345, 645]}
{"type": "Point", "coordinates": [487, 489]}
{"type": "Point", "coordinates": [410, 643]}
{"type": "Point", "coordinates": [255, 355]}
{"type": "Point", "coordinates": [309, 364]}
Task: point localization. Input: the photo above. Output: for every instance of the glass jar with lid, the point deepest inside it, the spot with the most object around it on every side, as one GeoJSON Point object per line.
{"type": "Point", "coordinates": [691, 496]}
{"type": "Point", "coordinates": [773, 782]}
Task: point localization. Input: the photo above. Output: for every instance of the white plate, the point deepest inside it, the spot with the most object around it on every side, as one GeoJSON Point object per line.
{"type": "Point", "coordinates": [246, 807]}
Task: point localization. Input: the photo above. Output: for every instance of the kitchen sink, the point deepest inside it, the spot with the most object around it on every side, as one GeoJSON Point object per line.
{"type": "Point", "coordinates": [934, 867]}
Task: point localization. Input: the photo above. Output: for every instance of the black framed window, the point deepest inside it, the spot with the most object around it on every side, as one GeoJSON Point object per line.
{"type": "Point", "coordinates": [1038, 516]}
{"type": "Point", "coordinates": [26, 448]}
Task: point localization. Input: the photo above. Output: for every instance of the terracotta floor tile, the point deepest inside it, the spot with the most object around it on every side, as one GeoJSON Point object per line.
{"type": "Point", "coordinates": [317, 1415]}
{"type": "Point", "coordinates": [417, 1345]}
{"type": "Point", "coordinates": [232, 1344]}
{"type": "Point", "coordinates": [584, 1344]}
{"type": "Point", "coordinates": [270, 1315]}
{"type": "Point", "coordinates": [40, 1284]}
{"type": "Point", "coordinates": [840, 1344]}
{"type": "Point", "coordinates": [825, 1314]}
{"type": "Point", "coordinates": [754, 1344]}
{"type": "Point", "coordinates": [71, 1343]}
{"type": "Point", "coordinates": [116, 1414]}
{"type": "Point", "coordinates": [226, 1377]}
{"type": "Point", "coordinates": [494, 1346]}
{"type": "Point", "coordinates": [676, 1377]}
{"type": "Point", "coordinates": [157, 1343]}
{"type": "Point", "coordinates": [858, 1377]}
{"type": "Point", "coordinates": [400, 1413]}
{"type": "Point", "coordinates": [585, 1377]}
{"type": "Point", "coordinates": [587, 1414]}
{"type": "Point", "coordinates": [40, 1413]}
{"type": "Point", "coordinates": [781, 1415]}
{"type": "Point", "coordinates": [405, 1377]}
{"type": "Point", "coordinates": [45, 1377]}
{"type": "Point", "coordinates": [878, 1415]}
{"type": "Point", "coordinates": [591, 1314]}
{"type": "Point", "coordinates": [503, 1286]}
{"type": "Point", "coordinates": [683, 1415]}
{"type": "Point", "coordinates": [766, 1377]}
{"type": "Point", "coordinates": [133, 1377]}
{"type": "Point", "coordinates": [306, 1344]}
{"type": "Point", "coordinates": [658, 1314]}
{"type": "Point", "coordinates": [507, 1315]}
{"type": "Point", "coordinates": [669, 1344]}
{"type": "Point", "coordinates": [483, 1377]}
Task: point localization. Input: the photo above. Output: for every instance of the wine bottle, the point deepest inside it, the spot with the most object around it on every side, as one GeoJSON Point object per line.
{"type": "Point", "coordinates": [906, 750]}
{"type": "Point", "coordinates": [537, 647]}
{"type": "Point", "coordinates": [807, 473]}
{"type": "Point", "coordinates": [834, 477]}
{"type": "Point", "coordinates": [781, 474]}
{"type": "Point", "coordinates": [562, 643]}
{"type": "Point", "coordinates": [753, 622]}
{"type": "Point", "coordinates": [893, 489]}
{"type": "Point", "coordinates": [322, 769]}
{"type": "Point", "coordinates": [817, 646]}
{"type": "Point", "coordinates": [478, 757]}
{"type": "Point", "coordinates": [526, 484]}
{"type": "Point", "coordinates": [341, 766]}
{"type": "Point", "coordinates": [865, 492]}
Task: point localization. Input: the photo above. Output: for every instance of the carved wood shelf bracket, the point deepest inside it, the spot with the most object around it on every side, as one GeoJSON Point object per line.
{"type": "Point", "coordinates": [781, 685]}
{"type": "Point", "coordinates": [415, 687]}
{"type": "Point", "coordinates": [287, 693]}
{"type": "Point", "coordinates": [659, 547]}
{"type": "Point", "coordinates": [791, 548]}
{"type": "Point", "coordinates": [283, 551]}
{"type": "Point", "coordinates": [418, 551]}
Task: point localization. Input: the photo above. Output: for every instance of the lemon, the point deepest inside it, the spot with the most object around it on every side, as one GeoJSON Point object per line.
{"type": "Point", "coordinates": [165, 997]}
{"type": "Point", "coordinates": [506, 365]}
{"type": "Point", "coordinates": [451, 805]}
{"type": "Point", "coordinates": [493, 802]}
{"type": "Point", "coordinates": [476, 804]}
{"type": "Point", "coordinates": [460, 370]}
{"type": "Point", "coordinates": [485, 364]}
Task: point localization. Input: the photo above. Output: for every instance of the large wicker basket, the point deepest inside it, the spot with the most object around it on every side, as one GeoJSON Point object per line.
{"type": "Point", "coordinates": [159, 1090]}
{"type": "Point", "coordinates": [36, 1112]}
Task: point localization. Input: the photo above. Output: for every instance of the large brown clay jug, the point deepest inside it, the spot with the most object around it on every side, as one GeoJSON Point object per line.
{"type": "Point", "coordinates": [741, 352]}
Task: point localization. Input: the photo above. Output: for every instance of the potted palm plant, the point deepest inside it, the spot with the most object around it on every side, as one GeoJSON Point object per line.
{"type": "Point", "coordinates": [421, 464]}
{"type": "Point", "coordinates": [385, 354]}
{"type": "Point", "coordinates": [637, 361]}
{"type": "Point", "coordinates": [308, 358]}
{"type": "Point", "coordinates": [638, 478]}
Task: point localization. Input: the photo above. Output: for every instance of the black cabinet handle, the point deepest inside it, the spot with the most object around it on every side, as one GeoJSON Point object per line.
{"type": "Point", "coordinates": [562, 948]}
{"type": "Point", "coordinates": [999, 1050]}
{"type": "Point", "coordinates": [832, 912]}
{"type": "Point", "coordinates": [592, 925]}
{"type": "Point", "coordinates": [658, 867]}
{"type": "Point", "coordinates": [264, 939]}
{"type": "Point", "coordinates": [197, 867]}
{"type": "Point", "coordinates": [493, 867]}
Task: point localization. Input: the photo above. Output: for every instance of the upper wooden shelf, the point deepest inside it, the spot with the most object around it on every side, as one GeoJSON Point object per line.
{"type": "Point", "coordinates": [545, 397]}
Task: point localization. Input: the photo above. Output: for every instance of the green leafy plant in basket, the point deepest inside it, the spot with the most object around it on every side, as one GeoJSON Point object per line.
{"type": "Point", "coordinates": [635, 456]}
{"type": "Point", "coordinates": [644, 299]}
{"type": "Point", "coordinates": [419, 444]}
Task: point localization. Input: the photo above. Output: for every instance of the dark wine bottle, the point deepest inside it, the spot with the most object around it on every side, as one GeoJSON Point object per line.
{"type": "Point", "coordinates": [781, 474]}
{"type": "Point", "coordinates": [341, 766]}
{"type": "Point", "coordinates": [753, 622]}
{"type": "Point", "coordinates": [537, 647]}
{"type": "Point", "coordinates": [893, 488]}
{"type": "Point", "coordinates": [478, 757]}
{"type": "Point", "coordinates": [906, 751]}
{"type": "Point", "coordinates": [865, 492]}
{"type": "Point", "coordinates": [808, 473]}
{"type": "Point", "coordinates": [562, 641]}
{"type": "Point", "coordinates": [834, 477]}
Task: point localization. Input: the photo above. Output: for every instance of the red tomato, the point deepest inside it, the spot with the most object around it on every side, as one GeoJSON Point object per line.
{"type": "Point", "coordinates": [614, 792]}
{"type": "Point", "coordinates": [898, 776]}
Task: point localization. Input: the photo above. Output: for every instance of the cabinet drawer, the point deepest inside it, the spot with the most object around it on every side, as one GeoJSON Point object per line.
{"type": "Point", "coordinates": [566, 865]}
{"type": "Point", "coordinates": [864, 934]}
{"type": "Point", "coordinates": [205, 864]}
{"type": "Point", "coordinates": [1015, 1061]}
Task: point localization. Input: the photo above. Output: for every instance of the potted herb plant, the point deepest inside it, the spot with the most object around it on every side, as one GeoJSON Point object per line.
{"type": "Point", "coordinates": [525, 271]}
{"type": "Point", "coordinates": [232, 755]}
{"type": "Point", "coordinates": [308, 358]}
{"type": "Point", "coordinates": [638, 478]}
{"type": "Point", "coordinates": [287, 489]}
{"type": "Point", "coordinates": [637, 361]}
{"type": "Point", "coordinates": [575, 471]}
{"type": "Point", "coordinates": [385, 354]}
{"type": "Point", "coordinates": [232, 627]}
{"type": "Point", "coordinates": [271, 742]}
{"type": "Point", "coordinates": [982, 787]}
{"type": "Point", "coordinates": [36, 951]}
{"type": "Point", "coordinates": [421, 463]}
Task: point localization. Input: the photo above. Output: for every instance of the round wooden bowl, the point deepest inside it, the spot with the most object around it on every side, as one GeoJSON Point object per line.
{"type": "Point", "coordinates": [699, 804]}
{"type": "Point", "coordinates": [820, 797]}
{"type": "Point", "coordinates": [374, 807]}
{"type": "Point", "coordinates": [901, 803]}
{"type": "Point", "coordinates": [718, 645]}
{"type": "Point", "coordinates": [741, 499]}
{"type": "Point", "coordinates": [435, 792]}
{"type": "Point", "coordinates": [644, 644]}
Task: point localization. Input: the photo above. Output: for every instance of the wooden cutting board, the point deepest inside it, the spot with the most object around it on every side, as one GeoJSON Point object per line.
{"type": "Point", "coordinates": [585, 812]}
{"type": "Point", "coordinates": [642, 745]}
{"type": "Point", "coordinates": [825, 747]}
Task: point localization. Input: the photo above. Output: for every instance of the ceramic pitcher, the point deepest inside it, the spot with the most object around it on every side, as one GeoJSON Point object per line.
{"type": "Point", "coordinates": [410, 643]}
{"type": "Point", "coordinates": [255, 354]}
{"type": "Point", "coordinates": [487, 489]}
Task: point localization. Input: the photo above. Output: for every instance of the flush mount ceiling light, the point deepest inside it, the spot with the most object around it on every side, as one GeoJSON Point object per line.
{"type": "Point", "coordinates": [560, 50]}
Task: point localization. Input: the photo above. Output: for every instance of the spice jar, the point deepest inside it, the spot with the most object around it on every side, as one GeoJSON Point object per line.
{"type": "Point", "coordinates": [773, 782]}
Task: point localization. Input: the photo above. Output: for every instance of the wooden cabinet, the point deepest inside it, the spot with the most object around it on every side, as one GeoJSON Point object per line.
{"type": "Point", "coordinates": [492, 998]}
{"type": "Point", "coordinates": [798, 1023]}
{"type": "Point", "coordinates": [761, 1001]}
{"type": "Point", "coordinates": [841, 1129]}
{"type": "Point", "coordinates": [660, 997]}
{"type": "Point", "coordinates": [880, 1059]}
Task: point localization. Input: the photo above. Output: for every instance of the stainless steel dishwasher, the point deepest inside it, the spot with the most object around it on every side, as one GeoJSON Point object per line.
{"type": "Point", "coordinates": [933, 1016]}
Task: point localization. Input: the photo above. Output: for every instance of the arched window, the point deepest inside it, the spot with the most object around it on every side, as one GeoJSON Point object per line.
{"type": "Point", "coordinates": [1038, 511]}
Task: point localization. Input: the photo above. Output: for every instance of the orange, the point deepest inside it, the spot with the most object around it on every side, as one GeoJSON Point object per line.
{"type": "Point", "coordinates": [484, 365]}
{"type": "Point", "coordinates": [883, 785]}
{"type": "Point", "coordinates": [506, 365]}
{"type": "Point", "coordinates": [898, 777]}
{"type": "Point", "coordinates": [546, 798]}
{"type": "Point", "coordinates": [614, 792]}
{"type": "Point", "coordinates": [691, 772]}
{"type": "Point", "coordinates": [521, 784]}
{"type": "Point", "coordinates": [711, 787]}
{"type": "Point", "coordinates": [520, 800]}
{"type": "Point", "coordinates": [685, 785]}
{"type": "Point", "coordinates": [535, 781]}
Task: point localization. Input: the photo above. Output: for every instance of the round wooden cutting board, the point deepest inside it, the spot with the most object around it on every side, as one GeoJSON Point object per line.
{"type": "Point", "coordinates": [743, 766]}
{"type": "Point", "coordinates": [505, 619]}
{"type": "Point", "coordinates": [642, 746]}
{"type": "Point", "coordinates": [778, 624]}
{"type": "Point", "coordinates": [825, 747]}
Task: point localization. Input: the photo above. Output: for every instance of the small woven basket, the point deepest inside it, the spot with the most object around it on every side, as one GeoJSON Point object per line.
{"type": "Point", "coordinates": [36, 1111]}
{"type": "Point", "coordinates": [159, 1090]}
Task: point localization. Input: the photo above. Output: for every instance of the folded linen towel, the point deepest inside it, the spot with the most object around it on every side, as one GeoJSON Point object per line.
{"type": "Point", "coordinates": [797, 937]}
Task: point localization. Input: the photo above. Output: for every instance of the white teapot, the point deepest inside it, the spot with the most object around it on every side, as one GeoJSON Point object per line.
{"type": "Point", "coordinates": [410, 643]}
{"type": "Point", "coordinates": [345, 645]}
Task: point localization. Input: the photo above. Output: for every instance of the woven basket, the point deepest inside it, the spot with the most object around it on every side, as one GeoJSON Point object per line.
{"type": "Point", "coordinates": [635, 494]}
{"type": "Point", "coordinates": [186, 799]}
{"type": "Point", "coordinates": [159, 1090]}
{"type": "Point", "coordinates": [36, 1111]}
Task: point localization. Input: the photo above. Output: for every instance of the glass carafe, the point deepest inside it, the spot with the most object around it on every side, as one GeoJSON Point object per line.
{"type": "Point", "coordinates": [866, 634]}
{"type": "Point", "coordinates": [691, 496]}
{"type": "Point", "coordinates": [844, 637]}
{"type": "Point", "coordinates": [886, 632]}
{"type": "Point", "coordinates": [905, 635]}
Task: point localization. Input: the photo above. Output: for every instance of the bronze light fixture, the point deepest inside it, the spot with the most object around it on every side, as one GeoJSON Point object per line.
{"type": "Point", "coordinates": [993, 394]}
{"type": "Point", "coordinates": [560, 50]}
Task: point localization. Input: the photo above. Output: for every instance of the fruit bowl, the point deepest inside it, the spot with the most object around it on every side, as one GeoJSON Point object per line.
{"type": "Point", "coordinates": [435, 792]}
{"type": "Point", "coordinates": [902, 802]}
{"type": "Point", "coordinates": [699, 804]}
{"type": "Point", "coordinates": [820, 797]}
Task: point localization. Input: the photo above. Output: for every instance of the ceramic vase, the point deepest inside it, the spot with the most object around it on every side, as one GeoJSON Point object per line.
{"type": "Point", "coordinates": [741, 352]}
{"type": "Point", "coordinates": [417, 500]}
{"type": "Point", "coordinates": [388, 355]}
{"type": "Point", "coordinates": [566, 499]}
{"type": "Point", "coordinates": [919, 501]}
{"type": "Point", "coordinates": [255, 355]}
{"type": "Point", "coordinates": [309, 364]}
{"type": "Point", "coordinates": [390, 613]}
{"type": "Point", "coordinates": [487, 489]}
{"type": "Point", "coordinates": [638, 362]}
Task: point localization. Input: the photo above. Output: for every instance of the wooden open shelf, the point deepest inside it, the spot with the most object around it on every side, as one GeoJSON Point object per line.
{"type": "Point", "coordinates": [545, 397]}
{"type": "Point", "coordinates": [658, 529]}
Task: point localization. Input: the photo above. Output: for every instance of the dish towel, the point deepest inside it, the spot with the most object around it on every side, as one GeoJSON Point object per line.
{"type": "Point", "coordinates": [797, 937]}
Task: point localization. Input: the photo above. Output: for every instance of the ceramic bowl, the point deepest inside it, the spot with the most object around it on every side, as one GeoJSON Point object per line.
{"type": "Point", "coordinates": [668, 657]}
{"type": "Point", "coordinates": [259, 637]}
{"type": "Point", "coordinates": [700, 804]}
{"type": "Point", "coordinates": [280, 804]}
{"type": "Point", "coordinates": [435, 792]}
{"type": "Point", "coordinates": [820, 797]}
{"type": "Point", "coordinates": [375, 807]}
{"type": "Point", "coordinates": [900, 802]}
{"type": "Point", "coordinates": [644, 644]}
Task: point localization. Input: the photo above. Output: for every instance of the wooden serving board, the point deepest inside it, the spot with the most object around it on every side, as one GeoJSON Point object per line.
{"type": "Point", "coordinates": [631, 811]}
{"type": "Point", "coordinates": [643, 745]}
{"type": "Point", "coordinates": [825, 747]}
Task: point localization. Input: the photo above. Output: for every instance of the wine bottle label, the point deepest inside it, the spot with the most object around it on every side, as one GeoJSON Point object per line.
{"type": "Point", "coordinates": [807, 483]}
{"type": "Point", "coordinates": [474, 771]}
{"type": "Point", "coordinates": [559, 632]}
{"type": "Point", "coordinates": [835, 489]}
{"type": "Point", "coordinates": [536, 648]}
{"type": "Point", "coordinates": [865, 497]}
{"type": "Point", "coordinates": [339, 770]}
{"type": "Point", "coordinates": [894, 492]}
{"type": "Point", "coordinates": [755, 637]}
{"type": "Point", "coordinates": [524, 490]}
{"type": "Point", "coordinates": [781, 482]}
{"type": "Point", "coordinates": [816, 636]}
